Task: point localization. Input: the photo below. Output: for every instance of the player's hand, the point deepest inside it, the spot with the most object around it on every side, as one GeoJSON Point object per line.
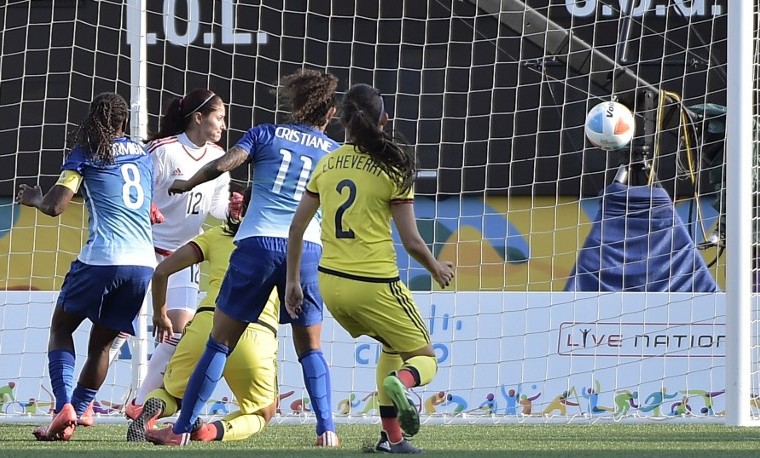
{"type": "Point", "coordinates": [444, 272]}
{"type": "Point", "coordinates": [235, 207]}
{"type": "Point", "coordinates": [30, 196]}
{"type": "Point", "coordinates": [156, 217]}
{"type": "Point", "coordinates": [293, 299]}
{"type": "Point", "coordinates": [162, 327]}
{"type": "Point", "coordinates": [178, 187]}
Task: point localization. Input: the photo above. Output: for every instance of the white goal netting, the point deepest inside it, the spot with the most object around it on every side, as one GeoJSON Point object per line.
{"type": "Point", "coordinates": [588, 282]}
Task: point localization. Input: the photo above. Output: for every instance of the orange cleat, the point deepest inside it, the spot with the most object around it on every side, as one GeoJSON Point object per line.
{"type": "Point", "coordinates": [88, 417]}
{"type": "Point", "coordinates": [132, 410]}
{"type": "Point", "coordinates": [328, 439]}
{"type": "Point", "coordinates": [61, 428]}
{"type": "Point", "coordinates": [167, 437]}
{"type": "Point", "coordinates": [150, 412]}
{"type": "Point", "coordinates": [205, 432]}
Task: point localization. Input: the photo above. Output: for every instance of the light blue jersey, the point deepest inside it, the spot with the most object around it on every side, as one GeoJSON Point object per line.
{"type": "Point", "coordinates": [283, 157]}
{"type": "Point", "coordinates": [118, 198]}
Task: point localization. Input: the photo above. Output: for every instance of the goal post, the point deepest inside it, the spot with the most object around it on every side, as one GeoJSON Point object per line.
{"type": "Point", "coordinates": [741, 124]}
{"type": "Point", "coordinates": [590, 285]}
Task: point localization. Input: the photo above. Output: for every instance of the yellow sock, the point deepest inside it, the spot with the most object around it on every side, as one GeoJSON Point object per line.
{"type": "Point", "coordinates": [387, 363]}
{"type": "Point", "coordinates": [425, 366]}
{"type": "Point", "coordinates": [239, 426]}
{"type": "Point", "coordinates": [170, 402]}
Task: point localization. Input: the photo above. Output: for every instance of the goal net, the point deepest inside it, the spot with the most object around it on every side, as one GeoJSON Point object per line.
{"type": "Point", "coordinates": [588, 282]}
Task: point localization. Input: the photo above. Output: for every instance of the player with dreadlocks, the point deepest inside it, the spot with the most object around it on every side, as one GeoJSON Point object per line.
{"type": "Point", "coordinates": [186, 141]}
{"type": "Point", "coordinates": [108, 281]}
{"type": "Point", "coordinates": [360, 187]}
{"type": "Point", "coordinates": [283, 157]}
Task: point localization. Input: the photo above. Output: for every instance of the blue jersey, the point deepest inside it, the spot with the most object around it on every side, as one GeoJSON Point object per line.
{"type": "Point", "coordinates": [118, 198]}
{"type": "Point", "coordinates": [283, 157]}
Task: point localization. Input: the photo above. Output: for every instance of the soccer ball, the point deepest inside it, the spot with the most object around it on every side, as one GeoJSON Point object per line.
{"type": "Point", "coordinates": [610, 126]}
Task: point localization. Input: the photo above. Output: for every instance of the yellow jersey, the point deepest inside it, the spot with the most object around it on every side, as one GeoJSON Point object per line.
{"type": "Point", "coordinates": [356, 197]}
{"type": "Point", "coordinates": [215, 246]}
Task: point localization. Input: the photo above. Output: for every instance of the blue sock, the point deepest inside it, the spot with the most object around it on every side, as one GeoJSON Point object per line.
{"type": "Point", "coordinates": [316, 376]}
{"type": "Point", "coordinates": [82, 398]}
{"type": "Point", "coordinates": [61, 370]}
{"type": "Point", "coordinates": [201, 385]}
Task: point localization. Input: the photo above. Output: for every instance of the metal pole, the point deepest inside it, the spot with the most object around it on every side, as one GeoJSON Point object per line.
{"type": "Point", "coordinates": [739, 127]}
{"type": "Point", "coordinates": [137, 39]}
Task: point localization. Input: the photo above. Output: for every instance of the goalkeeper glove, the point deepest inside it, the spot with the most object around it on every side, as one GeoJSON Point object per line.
{"type": "Point", "coordinates": [156, 217]}
{"type": "Point", "coordinates": [235, 207]}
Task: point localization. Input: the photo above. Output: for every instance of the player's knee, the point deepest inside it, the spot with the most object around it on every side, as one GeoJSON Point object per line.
{"type": "Point", "coordinates": [306, 339]}
{"type": "Point", "coordinates": [268, 412]}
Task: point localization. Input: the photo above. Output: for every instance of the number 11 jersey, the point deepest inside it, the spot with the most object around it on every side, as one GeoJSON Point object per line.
{"type": "Point", "coordinates": [282, 157]}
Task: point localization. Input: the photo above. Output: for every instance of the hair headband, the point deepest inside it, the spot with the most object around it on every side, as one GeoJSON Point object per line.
{"type": "Point", "coordinates": [199, 106]}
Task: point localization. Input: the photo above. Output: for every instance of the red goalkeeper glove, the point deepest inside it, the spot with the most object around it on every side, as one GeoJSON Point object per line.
{"type": "Point", "coordinates": [156, 217]}
{"type": "Point", "coordinates": [235, 207]}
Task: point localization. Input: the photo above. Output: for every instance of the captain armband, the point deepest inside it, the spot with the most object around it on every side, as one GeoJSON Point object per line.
{"type": "Point", "coordinates": [70, 179]}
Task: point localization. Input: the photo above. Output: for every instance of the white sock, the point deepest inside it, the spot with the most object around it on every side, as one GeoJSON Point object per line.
{"type": "Point", "coordinates": [115, 349]}
{"type": "Point", "coordinates": [156, 367]}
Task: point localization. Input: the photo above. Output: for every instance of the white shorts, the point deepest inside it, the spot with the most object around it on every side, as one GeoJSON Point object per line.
{"type": "Point", "coordinates": [182, 288]}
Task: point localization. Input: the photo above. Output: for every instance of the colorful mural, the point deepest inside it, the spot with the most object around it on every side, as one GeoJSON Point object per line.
{"type": "Point", "coordinates": [497, 243]}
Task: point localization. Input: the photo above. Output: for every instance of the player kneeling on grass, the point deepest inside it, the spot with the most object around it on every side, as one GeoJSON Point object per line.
{"type": "Point", "coordinates": [360, 186]}
{"type": "Point", "coordinates": [107, 282]}
{"type": "Point", "coordinates": [250, 371]}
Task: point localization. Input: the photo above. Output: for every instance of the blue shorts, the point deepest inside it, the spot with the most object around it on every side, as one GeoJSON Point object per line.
{"type": "Point", "coordinates": [109, 296]}
{"type": "Point", "coordinates": [256, 266]}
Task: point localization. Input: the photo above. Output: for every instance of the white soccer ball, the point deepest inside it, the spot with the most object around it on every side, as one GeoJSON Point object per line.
{"type": "Point", "coordinates": [610, 126]}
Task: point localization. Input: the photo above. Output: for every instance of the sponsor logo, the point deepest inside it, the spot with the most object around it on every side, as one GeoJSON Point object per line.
{"type": "Point", "coordinates": [679, 340]}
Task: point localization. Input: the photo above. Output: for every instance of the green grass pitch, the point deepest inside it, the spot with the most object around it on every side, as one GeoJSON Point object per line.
{"type": "Point", "coordinates": [518, 440]}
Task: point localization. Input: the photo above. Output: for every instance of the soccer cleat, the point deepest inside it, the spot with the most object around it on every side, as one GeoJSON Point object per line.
{"type": "Point", "coordinates": [167, 436]}
{"type": "Point", "coordinates": [88, 417]}
{"type": "Point", "coordinates": [408, 417]}
{"type": "Point", "coordinates": [149, 413]}
{"type": "Point", "coordinates": [41, 434]}
{"type": "Point", "coordinates": [61, 428]}
{"type": "Point", "coordinates": [328, 439]}
{"type": "Point", "coordinates": [203, 432]}
{"type": "Point", "coordinates": [404, 447]}
{"type": "Point", "coordinates": [132, 410]}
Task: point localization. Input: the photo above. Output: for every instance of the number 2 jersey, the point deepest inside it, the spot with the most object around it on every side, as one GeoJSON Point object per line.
{"type": "Point", "coordinates": [118, 198]}
{"type": "Point", "coordinates": [177, 158]}
{"type": "Point", "coordinates": [356, 195]}
{"type": "Point", "coordinates": [283, 157]}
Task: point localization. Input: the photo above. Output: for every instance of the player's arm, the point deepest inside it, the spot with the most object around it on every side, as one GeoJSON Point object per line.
{"type": "Point", "coordinates": [55, 201]}
{"type": "Point", "coordinates": [185, 256]}
{"type": "Point", "coordinates": [231, 160]}
{"type": "Point", "coordinates": [406, 223]}
{"type": "Point", "coordinates": [220, 200]}
{"type": "Point", "coordinates": [304, 213]}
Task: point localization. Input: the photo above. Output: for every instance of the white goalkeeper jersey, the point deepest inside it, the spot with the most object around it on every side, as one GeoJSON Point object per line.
{"type": "Point", "coordinates": [177, 158]}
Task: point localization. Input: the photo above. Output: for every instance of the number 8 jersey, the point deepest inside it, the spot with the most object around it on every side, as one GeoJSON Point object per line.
{"type": "Point", "coordinates": [118, 198]}
{"type": "Point", "coordinates": [177, 158]}
{"type": "Point", "coordinates": [283, 157]}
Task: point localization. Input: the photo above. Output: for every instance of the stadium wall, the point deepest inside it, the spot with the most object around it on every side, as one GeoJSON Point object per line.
{"type": "Point", "coordinates": [609, 356]}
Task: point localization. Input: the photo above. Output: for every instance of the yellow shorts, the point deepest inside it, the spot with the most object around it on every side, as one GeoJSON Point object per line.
{"type": "Point", "coordinates": [383, 311]}
{"type": "Point", "coordinates": [251, 370]}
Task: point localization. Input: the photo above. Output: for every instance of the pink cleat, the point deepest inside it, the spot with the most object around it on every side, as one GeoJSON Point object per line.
{"type": "Point", "coordinates": [167, 437]}
{"type": "Point", "coordinates": [132, 410]}
{"type": "Point", "coordinates": [88, 417]}
{"type": "Point", "coordinates": [61, 428]}
{"type": "Point", "coordinates": [328, 439]}
{"type": "Point", "coordinates": [205, 433]}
